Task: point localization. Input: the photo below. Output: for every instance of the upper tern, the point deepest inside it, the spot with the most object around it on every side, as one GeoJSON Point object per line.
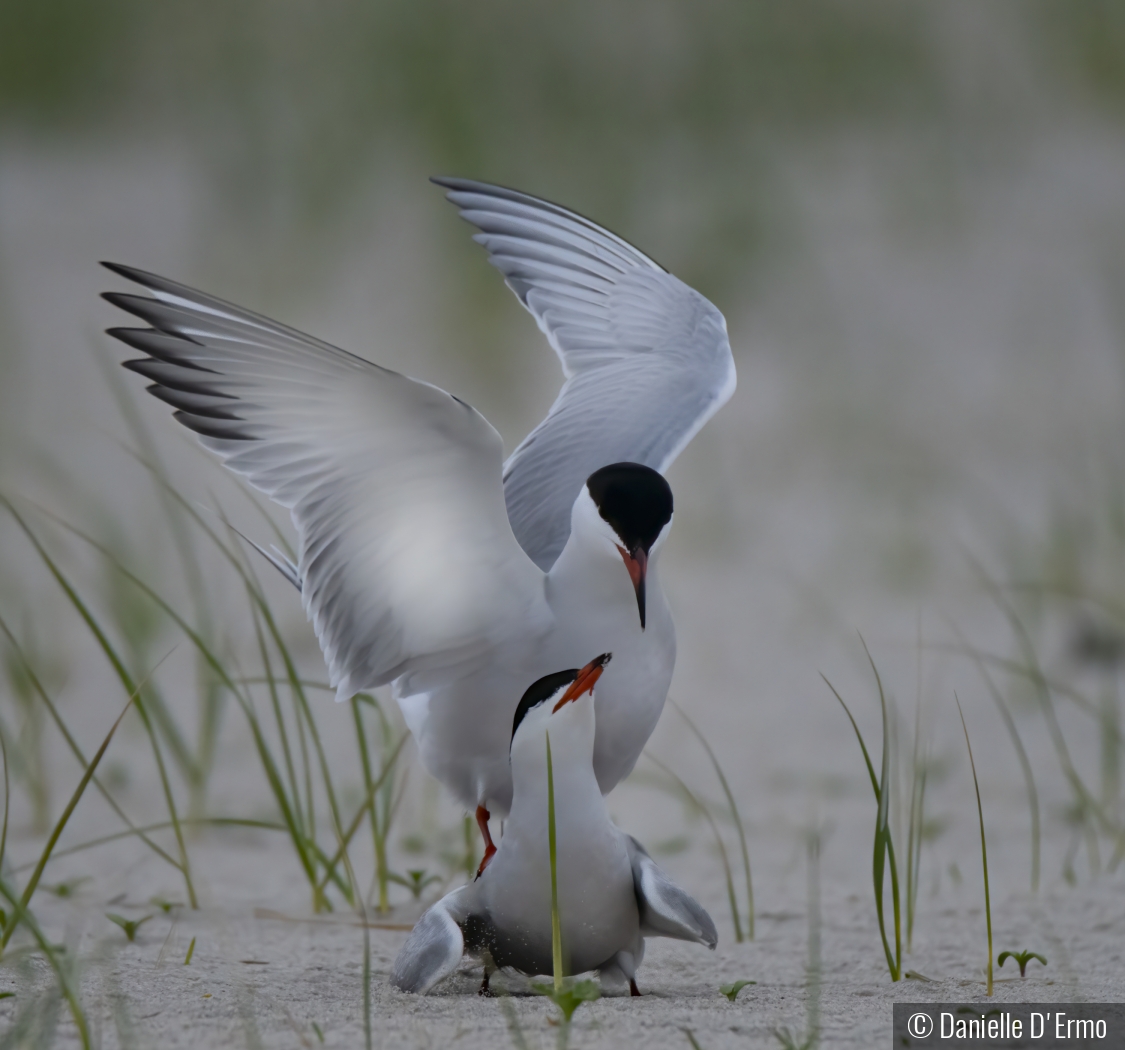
{"type": "Point", "coordinates": [611, 894]}
{"type": "Point", "coordinates": [423, 559]}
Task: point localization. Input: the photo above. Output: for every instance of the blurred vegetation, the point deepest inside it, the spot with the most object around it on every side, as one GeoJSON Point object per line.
{"type": "Point", "coordinates": [293, 107]}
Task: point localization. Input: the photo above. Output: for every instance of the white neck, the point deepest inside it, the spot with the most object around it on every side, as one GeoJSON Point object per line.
{"type": "Point", "coordinates": [590, 568]}
{"type": "Point", "coordinates": [578, 800]}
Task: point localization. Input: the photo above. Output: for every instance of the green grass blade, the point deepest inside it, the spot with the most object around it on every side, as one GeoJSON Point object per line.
{"type": "Point", "coordinates": [378, 837]}
{"type": "Point", "coordinates": [556, 924]}
{"type": "Point", "coordinates": [141, 832]}
{"type": "Point", "coordinates": [859, 737]}
{"type": "Point", "coordinates": [983, 843]}
{"type": "Point", "coordinates": [884, 843]}
{"type": "Point", "coordinates": [916, 817]}
{"type": "Point", "coordinates": [279, 720]}
{"type": "Point", "coordinates": [736, 816]}
{"type": "Point", "coordinates": [7, 799]}
{"type": "Point", "coordinates": [22, 916]}
{"type": "Point", "coordinates": [1024, 762]}
{"type": "Point", "coordinates": [361, 906]}
{"type": "Point", "coordinates": [695, 801]}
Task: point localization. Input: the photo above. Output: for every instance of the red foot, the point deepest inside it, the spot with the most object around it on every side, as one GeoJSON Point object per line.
{"type": "Point", "coordinates": [633, 989]}
{"type": "Point", "coordinates": [489, 846]}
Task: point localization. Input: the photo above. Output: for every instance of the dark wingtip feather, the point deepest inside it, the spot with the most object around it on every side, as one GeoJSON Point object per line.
{"type": "Point", "coordinates": [212, 428]}
{"type": "Point", "coordinates": [455, 184]}
{"type": "Point", "coordinates": [123, 300]}
{"type": "Point", "coordinates": [130, 273]}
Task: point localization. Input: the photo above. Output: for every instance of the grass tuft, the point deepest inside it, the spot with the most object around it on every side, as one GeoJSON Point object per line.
{"type": "Point", "coordinates": [131, 688]}
{"type": "Point", "coordinates": [883, 862]}
{"type": "Point", "coordinates": [60, 824]}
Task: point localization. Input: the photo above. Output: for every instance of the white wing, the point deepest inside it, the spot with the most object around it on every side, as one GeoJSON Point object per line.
{"type": "Point", "coordinates": [646, 358]}
{"type": "Point", "coordinates": [666, 910]}
{"type": "Point", "coordinates": [407, 562]}
{"type": "Point", "coordinates": [434, 947]}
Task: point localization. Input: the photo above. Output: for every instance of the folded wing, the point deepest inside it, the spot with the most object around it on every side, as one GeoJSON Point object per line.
{"type": "Point", "coordinates": [407, 562]}
{"type": "Point", "coordinates": [665, 909]}
{"type": "Point", "coordinates": [646, 358]}
{"type": "Point", "coordinates": [434, 947]}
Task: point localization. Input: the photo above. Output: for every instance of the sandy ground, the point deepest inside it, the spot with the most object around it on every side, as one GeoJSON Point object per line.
{"type": "Point", "coordinates": [263, 973]}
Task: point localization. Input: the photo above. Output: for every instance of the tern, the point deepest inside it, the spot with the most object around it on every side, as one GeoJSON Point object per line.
{"type": "Point", "coordinates": [611, 894]}
{"type": "Point", "coordinates": [426, 561]}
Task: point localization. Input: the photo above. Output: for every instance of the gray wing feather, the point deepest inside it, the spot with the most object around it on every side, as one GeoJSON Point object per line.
{"type": "Point", "coordinates": [433, 949]}
{"type": "Point", "coordinates": [665, 909]}
{"type": "Point", "coordinates": [647, 360]}
{"type": "Point", "coordinates": [407, 563]}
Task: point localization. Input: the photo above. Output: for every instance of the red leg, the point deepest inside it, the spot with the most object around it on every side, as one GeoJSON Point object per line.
{"type": "Point", "coordinates": [633, 989]}
{"type": "Point", "coordinates": [489, 846]}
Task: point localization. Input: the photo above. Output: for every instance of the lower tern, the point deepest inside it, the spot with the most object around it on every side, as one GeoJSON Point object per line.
{"type": "Point", "coordinates": [611, 894]}
{"type": "Point", "coordinates": [424, 560]}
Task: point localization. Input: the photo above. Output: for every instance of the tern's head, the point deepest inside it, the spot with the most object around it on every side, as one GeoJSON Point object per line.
{"type": "Point", "coordinates": [557, 698]}
{"type": "Point", "coordinates": [627, 508]}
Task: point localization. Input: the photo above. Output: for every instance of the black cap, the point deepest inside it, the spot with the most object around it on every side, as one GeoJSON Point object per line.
{"type": "Point", "coordinates": [634, 499]}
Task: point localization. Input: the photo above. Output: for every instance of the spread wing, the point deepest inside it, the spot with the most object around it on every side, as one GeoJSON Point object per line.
{"type": "Point", "coordinates": [647, 360]}
{"type": "Point", "coordinates": [434, 947]}
{"type": "Point", "coordinates": [407, 563]}
{"type": "Point", "coordinates": [665, 909]}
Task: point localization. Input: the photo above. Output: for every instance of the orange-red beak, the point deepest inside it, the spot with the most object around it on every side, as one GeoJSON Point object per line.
{"type": "Point", "coordinates": [585, 681]}
{"type": "Point", "coordinates": [636, 561]}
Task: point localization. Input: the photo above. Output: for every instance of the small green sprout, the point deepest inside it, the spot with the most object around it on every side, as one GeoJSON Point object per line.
{"type": "Point", "coordinates": [1022, 959]}
{"type": "Point", "coordinates": [130, 926]}
{"type": "Point", "coordinates": [731, 990]}
{"type": "Point", "coordinates": [67, 889]}
{"type": "Point", "coordinates": [164, 905]}
{"type": "Point", "coordinates": [7, 995]}
{"type": "Point", "coordinates": [416, 880]}
{"type": "Point", "coordinates": [571, 996]}
{"type": "Point", "coordinates": [190, 952]}
{"type": "Point", "coordinates": [319, 1033]}
{"type": "Point", "coordinates": [691, 1039]}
